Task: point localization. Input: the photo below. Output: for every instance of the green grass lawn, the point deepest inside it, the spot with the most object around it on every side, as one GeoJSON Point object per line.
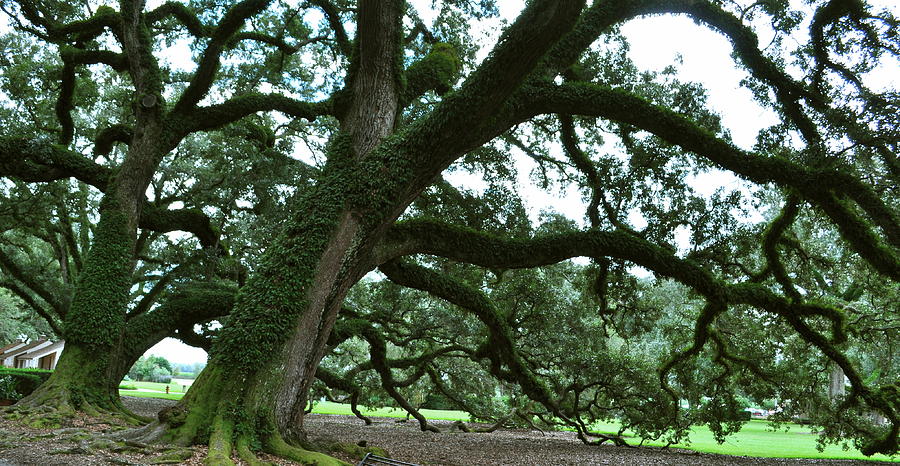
{"type": "Point", "coordinates": [160, 387]}
{"type": "Point", "coordinates": [168, 396]}
{"type": "Point", "coordinates": [176, 391]}
{"type": "Point", "coordinates": [756, 438]}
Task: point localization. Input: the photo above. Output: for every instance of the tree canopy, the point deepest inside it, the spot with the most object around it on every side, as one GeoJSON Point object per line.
{"type": "Point", "coordinates": [300, 146]}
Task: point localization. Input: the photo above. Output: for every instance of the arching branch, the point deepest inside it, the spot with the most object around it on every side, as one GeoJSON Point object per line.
{"type": "Point", "coordinates": [181, 13]}
{"type": "Point", "coordinates": [507, 363]}
{"type": "Point", "coordinates": [378, 352]}
{"type": "Point", "coordinates": [106, 138]}
{"type": "Point", "coordinates": [22, 294]}
{"type": "Point", "coordinates": [76, 31]}
{"type": "Point", "coordinates": [278, 42]}
{"type": "Point", "coordinates": [816, 186]}
{"type": "Point", "coordinates": [770, 246]}
{"type": "Point", "coordinates": [233, 20]}
{"type": "Point", "coordinates": [333, 15]}
{"type": "Point", "coordinates": [188, 305]}
{"type": "Point", "coordinates": [216, 116]}
{"type": "Point", "coordinates": [9, 265]}
{"type": "Point", "coordinates": [332, 380]}
{"type": "Point", "coordinates": [41, 161]}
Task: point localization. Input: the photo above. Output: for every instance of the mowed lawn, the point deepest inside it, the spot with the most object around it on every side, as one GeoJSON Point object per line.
{"type": "Point", "coordinates": [756, 438]}
{"type": "Point", "coordinates": [155, 390]}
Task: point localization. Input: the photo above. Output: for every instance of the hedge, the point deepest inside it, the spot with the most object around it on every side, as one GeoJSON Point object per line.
{"type": "Point", "coordinates": [18, 383]}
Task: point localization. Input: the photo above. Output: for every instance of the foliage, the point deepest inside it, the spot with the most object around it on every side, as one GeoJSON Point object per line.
{"type": "Point", "coordinates": [17, 321]}
{"type": "Point", "coordinates": [151, 368]}
{"type": "Point", "coordinates": [17, 383]}
{"type": "Point", "coordinates": [8, 388]}
{"type": "Point", "coordinates": [308, 145]}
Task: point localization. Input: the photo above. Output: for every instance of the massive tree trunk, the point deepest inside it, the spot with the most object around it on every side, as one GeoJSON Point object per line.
{"type": "Point", "coordinates": [90, 368]}
{"type": "Point", "coordinates": [95, 357]}
{"type": "Point", "coordinates": [263, 364]}
{"type": "Point", "coordinates": [95, 361]}
{"type": "Point", "coordinates": [94, 327]}
{"type": "Point", "coordinates": [254, 389]}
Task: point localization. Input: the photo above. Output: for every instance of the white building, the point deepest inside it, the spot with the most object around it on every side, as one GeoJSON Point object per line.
{"type": "Point", "coordinates": [43, 357]}
{"type": "Point", "coordinates": [39, 354]}
{"type": "Point", "coordinates": [9, 349]}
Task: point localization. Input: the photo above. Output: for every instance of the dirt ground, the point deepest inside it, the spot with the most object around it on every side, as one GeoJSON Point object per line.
{"type": "Point", "coordinates": [78, 445]}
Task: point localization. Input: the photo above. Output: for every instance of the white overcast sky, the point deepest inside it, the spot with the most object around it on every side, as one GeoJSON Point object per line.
{"type": "Point", "coordinates": [655, 43]}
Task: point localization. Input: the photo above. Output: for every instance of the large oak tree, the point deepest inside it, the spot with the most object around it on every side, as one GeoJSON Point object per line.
{"type": "Point", "coordinates": [403, 101]}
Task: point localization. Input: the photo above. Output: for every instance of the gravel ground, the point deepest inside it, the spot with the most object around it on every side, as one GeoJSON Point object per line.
{"type": "Point", "coordinates": [405, 442]}
{"type": "Point", "coordinates": [146, 406]}
{"type": "Point", "coordinates": [20, 446]}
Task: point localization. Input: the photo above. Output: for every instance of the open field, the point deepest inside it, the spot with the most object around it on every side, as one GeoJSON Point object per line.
{"type": "Point", "coordinates": [756, 438]}
{"type": "Point", "coordinates": [156, 390]}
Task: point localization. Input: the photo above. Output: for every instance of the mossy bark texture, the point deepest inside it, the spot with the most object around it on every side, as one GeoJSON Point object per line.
{"type": "Point", "coordinates": [95, 359]}
{"type": "Point", "coordinates": [87, 375]}
{"type": "Point", "coordinates": [252, 394]}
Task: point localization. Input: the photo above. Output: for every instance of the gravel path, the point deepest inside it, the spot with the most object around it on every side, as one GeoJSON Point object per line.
{"type": "Point", "coordinates": [146, 406]}
{"type": "Point", "coordinates": [20, 446]}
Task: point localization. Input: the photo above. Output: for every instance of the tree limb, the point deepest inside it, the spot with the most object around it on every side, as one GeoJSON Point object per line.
{"type": "Point", "coordinates": [233, 20]}
{"type": "Point", "coordinates": [33, 304]}
{"type": "Point", "coordinates": [337, 25]}
{"type": "Point", "coordinates": [816, 185]}
{"type": "Point", "coordinates": [216, 116]}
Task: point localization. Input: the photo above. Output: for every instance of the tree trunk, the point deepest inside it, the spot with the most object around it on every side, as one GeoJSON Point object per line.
{"type": "Point", "coordinates": [93, 361]}
{"type": "Point", "coordinates": [261, 367]}
{"type": "Point", "coordinates": [836, 382]}
{"type": "Point", "coordinates": [84, 379]}
{"type": "Point", "coordinates": [255, 387]}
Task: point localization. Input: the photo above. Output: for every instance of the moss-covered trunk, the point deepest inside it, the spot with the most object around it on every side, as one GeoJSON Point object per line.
{"type": "Point", "coordinates": [91, 364]}
{"type": "Point", "coordinates": [253, 390]}
{"type": "Point", "coordinates": [93, 360]}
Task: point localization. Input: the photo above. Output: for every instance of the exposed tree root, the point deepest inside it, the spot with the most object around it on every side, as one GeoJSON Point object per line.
{"type": "Point", "coordinates": [53, 406]}
{"type": "Point", "coordinates": [226, 444]}
{"type": "Point", "coordinates": [277, 446]}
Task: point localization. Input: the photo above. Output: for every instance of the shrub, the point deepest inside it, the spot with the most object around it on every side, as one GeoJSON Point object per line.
{"type": "Point", "coordinates": [8, 388]}
{"type": "Point", "coordinates": [436, 400]}
{"type": "Point", "coordinates": [18, 383]}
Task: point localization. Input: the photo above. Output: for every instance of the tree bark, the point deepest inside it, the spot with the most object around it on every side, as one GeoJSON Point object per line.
{"type": "Point", "coordinates": [254, 389]}
{"type": "Point", "coordinates": [836, 382]}
{"type": "Point", "coordinates": [94, 359]}
{"type": "Point", "coordinates": [278, 331]}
